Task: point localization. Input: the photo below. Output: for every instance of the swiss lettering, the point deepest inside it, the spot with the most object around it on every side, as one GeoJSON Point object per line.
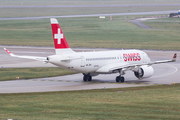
{"type": "Point", "coordinates": [131, 57]}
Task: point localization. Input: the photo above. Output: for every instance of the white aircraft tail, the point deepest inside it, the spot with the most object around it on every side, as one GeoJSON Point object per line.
{"type": "Point", "coordinates": [60, 43]}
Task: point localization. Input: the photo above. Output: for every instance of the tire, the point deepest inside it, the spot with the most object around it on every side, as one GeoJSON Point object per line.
{"type": "Point", "coordinates": [85, 78]}
{"type": "Point", "coordinates": [117, 79]}
{"type": "Point", "coordinates": [122, 79]}
{"type": "Point", "coordinates": [89, 78]}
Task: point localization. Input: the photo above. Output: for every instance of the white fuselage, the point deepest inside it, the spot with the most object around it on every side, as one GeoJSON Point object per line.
{"type": "Point", "coordinates": [97, 62]}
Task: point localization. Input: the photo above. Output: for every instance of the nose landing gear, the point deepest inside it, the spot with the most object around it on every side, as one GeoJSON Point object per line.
{"type": "Point", "coordinates": [120, 78]}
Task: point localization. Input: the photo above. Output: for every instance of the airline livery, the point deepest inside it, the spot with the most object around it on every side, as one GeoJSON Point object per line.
{"type": "Point", "coordinates": [95, 63]}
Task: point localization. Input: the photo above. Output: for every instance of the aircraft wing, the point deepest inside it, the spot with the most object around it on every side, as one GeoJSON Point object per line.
{"type": "Point", "coordinates": [164, 61]}
{"type": "Point", "coordinates": [118, 66]}
{"type": "Point", "coordinates": [44, 59]}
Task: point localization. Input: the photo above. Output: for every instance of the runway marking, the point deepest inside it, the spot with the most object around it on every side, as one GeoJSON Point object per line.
{"type": "Point", "coordinates": [92, 82]}
{"type": "Point", "coordinates": [176, 69]}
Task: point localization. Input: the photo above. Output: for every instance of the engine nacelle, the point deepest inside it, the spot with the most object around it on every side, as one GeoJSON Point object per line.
{"type": "Point", "coordinates": [144, 71]}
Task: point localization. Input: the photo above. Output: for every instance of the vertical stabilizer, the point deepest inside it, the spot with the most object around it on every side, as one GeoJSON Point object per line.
{"type": "Point", "coordinates": [60, 43]}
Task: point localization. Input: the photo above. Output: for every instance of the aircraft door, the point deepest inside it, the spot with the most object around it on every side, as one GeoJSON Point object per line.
{"type": "Point", "coordinates": [82, 61]}
{"type": "Point", "coordinates": [120, 57]}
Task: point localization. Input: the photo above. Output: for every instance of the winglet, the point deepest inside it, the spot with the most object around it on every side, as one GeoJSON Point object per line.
{"type": "Point", "coordinates": [7, 51]}
{"type": "Point", "coordinates": [10, 53]}
{"type": "Point", "coordinates": [44, 59]}
{"type": "Point", "coordinates": [174, 57]}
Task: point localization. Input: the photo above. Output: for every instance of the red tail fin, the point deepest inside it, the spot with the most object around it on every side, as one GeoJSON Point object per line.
{"type": "Point", "coordinates": [58, 36]}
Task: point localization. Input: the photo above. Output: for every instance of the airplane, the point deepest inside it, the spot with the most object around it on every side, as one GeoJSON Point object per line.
{"type": "Point", "coordinates": [94, 63]}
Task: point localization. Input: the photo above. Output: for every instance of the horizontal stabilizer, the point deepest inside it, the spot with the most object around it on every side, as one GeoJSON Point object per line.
{"type": "Point", "coordinates": [44, 59]}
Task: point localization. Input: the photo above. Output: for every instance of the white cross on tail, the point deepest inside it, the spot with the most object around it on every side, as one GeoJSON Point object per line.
{"type": "Point", "coordinates": [58, 36]}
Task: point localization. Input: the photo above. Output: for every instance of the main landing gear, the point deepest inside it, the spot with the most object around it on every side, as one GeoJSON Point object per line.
{"type": "Point", "coordinates": [119, 79]}
{"type": "Point", "coordinates": [87, 77]}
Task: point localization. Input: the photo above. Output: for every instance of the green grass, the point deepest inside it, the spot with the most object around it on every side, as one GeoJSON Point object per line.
{"type": "Point", "coordinates": [27, 73]}
{"type": "Point", "coordinates": [140, 103]}
{"type": "Point", "coordinates": [88, 32]}
{"type": "Point", "coordinates": [172, 24]}
{"type": "Point", "coordinates": [167, 19]}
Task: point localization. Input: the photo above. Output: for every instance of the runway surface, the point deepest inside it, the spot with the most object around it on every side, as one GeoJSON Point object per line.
{"type": "Point", "coordinates": [93, 15]}
{"type": "Point", "coordinates": [167, 73]}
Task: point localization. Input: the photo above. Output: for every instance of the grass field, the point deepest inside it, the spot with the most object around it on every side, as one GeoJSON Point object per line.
{"type": "Point", "coordinates": [88, 32]}
{"type": "Point", "coordinates": [140, 103]}
{"type": "Point", "coordinates": [165, 20]}
{"type": "Point", "coordinates": [172, 24]}
{"type": "Point", "coordinates": [27, 73]}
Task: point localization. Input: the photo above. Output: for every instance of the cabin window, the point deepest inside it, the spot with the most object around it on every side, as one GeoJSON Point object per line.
{"type": "Point", "coordinates": [104, 58]}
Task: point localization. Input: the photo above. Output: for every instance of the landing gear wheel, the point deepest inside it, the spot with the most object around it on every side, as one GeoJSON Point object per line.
{"type": "Point", "coordinates": [87, 78]}
{"type": "Point", "coordinates": [119, 79]}
{"type": "Point", "coordinates": [122, 79]}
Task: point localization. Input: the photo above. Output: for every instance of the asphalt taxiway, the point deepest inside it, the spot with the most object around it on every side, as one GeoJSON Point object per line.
{"type": "Point", "coordinates": [93, 15]}
{"type": "Point", "coordinates": [167, 73]}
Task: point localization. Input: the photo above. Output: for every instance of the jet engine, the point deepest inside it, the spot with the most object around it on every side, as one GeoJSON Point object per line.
{"type": "Point", "coordinates": [144, 71]}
